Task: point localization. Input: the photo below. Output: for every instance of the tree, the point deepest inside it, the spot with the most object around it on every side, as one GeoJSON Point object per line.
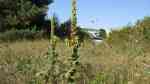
{"type": "Point", "coordinates": [39, 19]}
{"type": "Point", "coordinates": [64, 29]}
{"type": "Point", "coordinates": [102, 33]}
{"type": "Point", "coordinates": [22, 13]}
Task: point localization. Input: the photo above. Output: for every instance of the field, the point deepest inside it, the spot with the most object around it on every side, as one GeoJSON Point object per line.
{"type": "Point", "coordinates": [38, 47]}
{"type": "Point", "coordinates": [103, 63]}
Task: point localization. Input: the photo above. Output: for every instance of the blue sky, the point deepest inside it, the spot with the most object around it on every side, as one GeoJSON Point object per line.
{"type": "Point", "coordinates": [102, 13]}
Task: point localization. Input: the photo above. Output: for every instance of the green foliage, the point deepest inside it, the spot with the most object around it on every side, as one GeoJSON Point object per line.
{"type": "Point", "coordinates": [55, 25]}
{"type": "Point", "coordinates": [122, 36]}
{"type": "Point", "coordinates": [146, 33]}
{"type": "Point", "coordinates": [74, 45]}
{"type": "Point", "coordinates": [53, 73]}
{"type": "Point", "coordinates": [14, 35]}
{"type": "Point", "coordinates": [138, 32]}
{"type": "Point", "coordinates": [102, 33]}
{"type": "Point", "coordinates": [21, 13]}
{"type": "Point", "coordinates": [99, 79]}
{"type": "Point", "coordinates": [24, 65]}
{"type": "Point", "coordinates": [143, 27]}
{"type": "Point", "coordinates": [82, 35]}
{"type": "Point", "coordinates": [114, 77]}
{"type": "Point", "coordinates": [64, 29]}
{"type": "Point", "coordinates": [143, 23]}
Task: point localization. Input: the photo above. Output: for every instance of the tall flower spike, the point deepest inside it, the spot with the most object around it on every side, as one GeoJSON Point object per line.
{"type": "Point", "coordinates": [73, 41]}
{"type": "Point", "coordinates": [52, 56]}
{"type": "Point", "coordinates": [73, 31]}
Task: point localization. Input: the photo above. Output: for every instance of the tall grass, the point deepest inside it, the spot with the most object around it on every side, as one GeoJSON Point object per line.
{"type": "Point", "coordinates": [22, 61]}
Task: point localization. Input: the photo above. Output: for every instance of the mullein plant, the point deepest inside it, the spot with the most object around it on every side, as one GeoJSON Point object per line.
{"type": "Point", "coordinates": [53, 72]}
{"type": "Point", "coordinates": [74, 45]}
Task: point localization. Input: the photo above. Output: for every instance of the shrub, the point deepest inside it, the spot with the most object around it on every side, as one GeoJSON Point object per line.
{"type": "Point", "coordinates": [82, 35]}
{"type": "Point", "coordinates": [14, 35]}
{"type": "Point", "coordinates": [146, 33]}
{"type": "Point", "coordinates": [102, 33]}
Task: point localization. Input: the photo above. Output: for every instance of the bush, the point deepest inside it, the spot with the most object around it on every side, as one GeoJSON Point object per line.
{"type": "Point", "coordinates": [14, 35]}
{"type": "Point", "coordinates": [102, 33]}
{"type": "Point", "coordinates": [146, 33]}
{"type": "Point", "coordinates": [83, 35]}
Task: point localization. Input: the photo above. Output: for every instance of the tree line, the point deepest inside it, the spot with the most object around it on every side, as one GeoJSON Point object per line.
{"type": "Point", "coordinates": [30, 15]}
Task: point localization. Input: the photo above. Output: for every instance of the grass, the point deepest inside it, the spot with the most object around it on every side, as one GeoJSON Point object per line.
{"type": "Point", "coordinates": [104, 63]}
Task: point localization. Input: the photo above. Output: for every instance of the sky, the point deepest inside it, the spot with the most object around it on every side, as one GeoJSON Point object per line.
{"type": "Point", "coordinates": [106, 14]}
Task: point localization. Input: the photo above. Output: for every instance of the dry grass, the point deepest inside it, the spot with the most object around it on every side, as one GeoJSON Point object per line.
{"type": "Point", "coordinates": [104, 63]}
